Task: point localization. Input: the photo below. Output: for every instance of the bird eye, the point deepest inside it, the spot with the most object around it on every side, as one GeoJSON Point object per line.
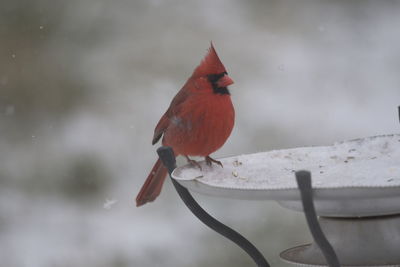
{"type": "Point", "coordinates": [213, 78]}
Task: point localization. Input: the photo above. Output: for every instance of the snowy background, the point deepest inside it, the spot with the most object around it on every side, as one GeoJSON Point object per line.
{"type": "Point", "coordinates": [83, 83]}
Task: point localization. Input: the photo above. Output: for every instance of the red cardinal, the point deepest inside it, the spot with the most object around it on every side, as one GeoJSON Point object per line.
{"type": "Point", "coordinates": [198, 121]}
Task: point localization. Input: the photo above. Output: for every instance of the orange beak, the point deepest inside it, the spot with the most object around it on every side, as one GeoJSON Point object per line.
{"type": "Point", "coordinates": [224, 81]}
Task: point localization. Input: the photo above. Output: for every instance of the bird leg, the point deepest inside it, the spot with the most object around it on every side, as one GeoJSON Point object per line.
{"type": "Point", "coordinates": [210, 160]}
{"type": "Point", "coordinates": [193, 162]}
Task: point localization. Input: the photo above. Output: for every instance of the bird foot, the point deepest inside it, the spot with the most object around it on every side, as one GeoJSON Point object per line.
{"type": "Point", "coordinates": [210, 160]}
{"type": "Point", "coordinates": [193, 162]}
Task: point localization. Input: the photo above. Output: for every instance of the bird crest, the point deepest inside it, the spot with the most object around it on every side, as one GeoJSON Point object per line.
{"type": "Point", "coordinates": [211, 64]}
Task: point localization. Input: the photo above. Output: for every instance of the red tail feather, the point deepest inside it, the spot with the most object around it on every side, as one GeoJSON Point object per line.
{"type": "Point", "coordinates": [153, 184]}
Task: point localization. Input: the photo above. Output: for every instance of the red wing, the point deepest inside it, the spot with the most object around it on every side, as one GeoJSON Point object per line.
{"type": "Point", "coordinates": [173, 109]}
{"type": "Point", "coordinates": [160, 128]}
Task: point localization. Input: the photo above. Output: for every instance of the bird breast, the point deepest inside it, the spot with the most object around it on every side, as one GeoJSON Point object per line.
{"type": "Point", "coordinates": [201, 125]}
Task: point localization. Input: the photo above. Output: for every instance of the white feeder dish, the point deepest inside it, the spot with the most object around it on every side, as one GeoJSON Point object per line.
{"type": "Point", "coordinates": [357, 178]}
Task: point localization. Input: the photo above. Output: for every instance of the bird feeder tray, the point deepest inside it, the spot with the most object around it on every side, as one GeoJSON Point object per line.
{"type": "Point", "coordinates": [354, 178]}
{"type": "Point", "coordinates": [356, 191]}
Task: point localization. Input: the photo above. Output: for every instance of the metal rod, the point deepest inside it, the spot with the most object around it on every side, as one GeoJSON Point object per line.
{"type": "Point", "coordinates": [303, 179]}
{"type": "Point", "coordinates": [398, 108]}
{"type": "Point", "coordinates": [168, 158]}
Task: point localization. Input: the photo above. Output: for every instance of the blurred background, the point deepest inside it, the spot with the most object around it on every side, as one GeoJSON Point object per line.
{"type": "Point", "coordinates": [83, 84]}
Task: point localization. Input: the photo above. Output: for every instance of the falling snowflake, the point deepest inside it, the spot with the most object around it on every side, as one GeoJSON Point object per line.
{"type": "Point", "coordinates": [109, 202]}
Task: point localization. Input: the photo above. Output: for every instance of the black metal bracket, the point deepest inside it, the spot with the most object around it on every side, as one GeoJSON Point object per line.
{"type": "Point", "coordinates": [168, 158]}
{"type": "Point", "coordinates": [303, 179]}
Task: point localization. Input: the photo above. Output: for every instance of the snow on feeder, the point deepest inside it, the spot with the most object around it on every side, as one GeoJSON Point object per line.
{"type": "Point", "coordinates": [363, 169]}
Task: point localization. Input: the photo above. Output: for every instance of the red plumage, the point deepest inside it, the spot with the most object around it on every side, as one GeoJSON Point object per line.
{"type": "Point", "coordinates": [198, 121]}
